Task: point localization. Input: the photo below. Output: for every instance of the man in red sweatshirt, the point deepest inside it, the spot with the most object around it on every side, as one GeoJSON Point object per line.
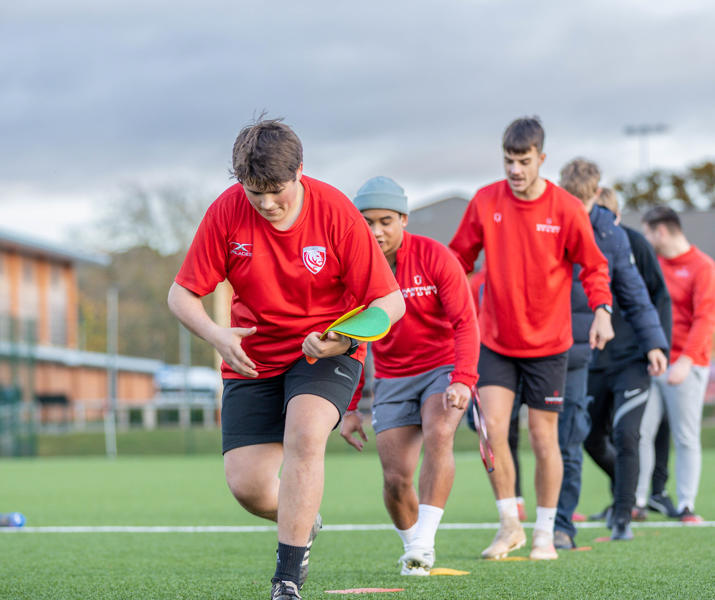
{"type": "Point", "coordinates": [424, 371]}
{"type": "Point", "coordinates": [532, 233]}
{"type": "Point", "coordinates": [690, 276]}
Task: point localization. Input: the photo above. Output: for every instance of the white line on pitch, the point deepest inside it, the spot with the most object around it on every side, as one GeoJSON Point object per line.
{"type": "Point", "coordinates": [268, 528]}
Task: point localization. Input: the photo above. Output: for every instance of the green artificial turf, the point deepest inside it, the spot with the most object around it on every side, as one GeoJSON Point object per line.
{"type": "Point", "coordinates": [190, 490]}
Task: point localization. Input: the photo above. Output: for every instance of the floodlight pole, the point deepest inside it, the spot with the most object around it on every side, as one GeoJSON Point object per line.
{"type": "Point", "coordinates": [642, 132]}
{"type": "Point", "coordinates": [110, 415]}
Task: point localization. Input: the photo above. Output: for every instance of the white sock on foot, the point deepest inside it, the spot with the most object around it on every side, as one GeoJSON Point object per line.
{"type": "Point", "coordinates": [427, 524]}
{"type": "Point", "coordinates": [545, 519]}
{"type": "Point", "coordinates": [407, 535]}
{"type": "Point", "coordinates": [507, 509]}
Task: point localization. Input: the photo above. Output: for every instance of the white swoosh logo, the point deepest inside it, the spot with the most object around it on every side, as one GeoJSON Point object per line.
{"type": "Point", "coordinates": [338, 372]}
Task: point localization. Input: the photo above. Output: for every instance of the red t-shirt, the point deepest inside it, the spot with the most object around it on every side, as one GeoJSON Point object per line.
{"type": "Point", "coordinates": [286, 283]}
{"type": "Point", "coordinates": [439, 326]}
{"type": "Point", "coordinates": [690, 278]}
{"type": "Point", "coordinates": [530, 248]}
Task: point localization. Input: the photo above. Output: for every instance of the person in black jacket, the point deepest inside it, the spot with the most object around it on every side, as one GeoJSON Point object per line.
{"type": "Point", "coordinates": [618, 377]}
{"type": "Point", "coordinates": [649, 268]}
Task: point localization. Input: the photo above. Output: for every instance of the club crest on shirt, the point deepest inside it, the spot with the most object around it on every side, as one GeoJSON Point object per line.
{"type": "Point", "coordinates": [314, 258]}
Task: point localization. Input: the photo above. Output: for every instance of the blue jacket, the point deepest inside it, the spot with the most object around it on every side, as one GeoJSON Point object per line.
{"type": "Point", "coordinates": [635, 320]}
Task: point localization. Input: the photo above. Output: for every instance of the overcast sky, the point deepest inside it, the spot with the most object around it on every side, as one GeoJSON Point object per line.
{"type": "Point", "coordinates": [95, 95]}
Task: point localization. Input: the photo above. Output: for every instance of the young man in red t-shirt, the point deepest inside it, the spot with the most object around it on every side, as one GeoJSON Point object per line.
{"type": "Point", "coordinates": [690, 276]}
{"type": "Point", "coordinates": [424, 372]}
{"type": "Point", "coordinates": [298, 255]}
{"type": "Point", "coordinates": [532, 232]}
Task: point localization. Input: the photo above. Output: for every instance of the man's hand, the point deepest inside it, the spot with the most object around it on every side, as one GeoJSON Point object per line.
{"type": "Point", "coordinates": [679, 370]}
{"type": "Point", "coordinates": [352, 423]}
{"type": "Point", "coordinates": [657, 362]}
{"type": "Point", "coordinates": [601, 331]}
{"type": "Point", "coordinates": [333, 344]}
{"type": "Point", "coordinates": [228, 344]}
{"type": "Point", "coordinates": [457, 396]}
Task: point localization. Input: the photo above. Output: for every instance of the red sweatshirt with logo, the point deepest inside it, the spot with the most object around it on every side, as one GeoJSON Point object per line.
{"type": "Point", "coordinates": [439, 326]}
{"type": "Point", "coordinates": [690, 278]}
{"type": "Point", "coordinates": [286, 283]}
{"type": "Point", "coordinates": [530, 248]}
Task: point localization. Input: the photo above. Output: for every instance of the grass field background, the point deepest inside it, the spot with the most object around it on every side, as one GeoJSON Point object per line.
{"type": "Point", "coordinates": [190, 490]}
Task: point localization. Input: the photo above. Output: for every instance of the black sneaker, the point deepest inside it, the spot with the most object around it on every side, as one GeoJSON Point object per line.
{"type": "Point", "coordinates": [284, 590]}
{"type": "Point", "coordinates": [688, 516]}
{"type": "Point", "coordinates": [621, 531]}
{"type": "Point", "coordinates": [605, 515]}
{"type": "Point", "coordinates": [306, 557]}
{"type": "Point", "coordinates": [639, 513]}
{"type": "Point", "coordinates": [661, 503]}
{"type": "Point", "coordinates": [563, 541]}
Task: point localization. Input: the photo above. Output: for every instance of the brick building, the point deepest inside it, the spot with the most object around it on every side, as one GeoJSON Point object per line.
{"type": "Point", "coordinates": [39, 334]}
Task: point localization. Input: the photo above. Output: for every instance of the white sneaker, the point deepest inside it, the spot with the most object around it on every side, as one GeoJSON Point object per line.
{"type": "Point", "coordinates": [542, 547]}
{"type": "Point", "coordinates": [417, 562]}
{"type": "Point", "coordinates": [510, 537]}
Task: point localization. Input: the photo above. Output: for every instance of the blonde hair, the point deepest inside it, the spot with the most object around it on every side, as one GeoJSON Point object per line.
{"type": "Point", "coordinates": [609, 199]}
{"type": "Point", "coordinates": [580, 177]}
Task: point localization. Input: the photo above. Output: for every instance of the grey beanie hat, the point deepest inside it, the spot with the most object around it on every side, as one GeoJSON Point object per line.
{"type": "Point", "coordinates": [382, 193]}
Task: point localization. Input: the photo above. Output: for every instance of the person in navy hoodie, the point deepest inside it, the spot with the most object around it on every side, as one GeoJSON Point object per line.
{"type": "Point", "coordinates": [618, 383]}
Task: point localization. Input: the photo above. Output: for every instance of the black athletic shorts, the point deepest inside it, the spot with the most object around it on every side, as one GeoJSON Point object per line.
{"type": "Point", "coordinates": [543, 379]}
{"type": "Point", "coordinates": [253, 410]}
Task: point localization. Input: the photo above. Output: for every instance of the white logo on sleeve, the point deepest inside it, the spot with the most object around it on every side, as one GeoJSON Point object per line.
{"type": "Point", "coordinates": [314, 258]}
{"type": "Point", "coordinates": [241, 249]}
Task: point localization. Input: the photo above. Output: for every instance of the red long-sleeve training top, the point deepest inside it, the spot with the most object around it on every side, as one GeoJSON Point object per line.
{"type": "Point", "coordinates": [690, 278]}
{"type": "Point", "coordinates": [530, 248]}
{"type": "Point", "coordinates": [439, 326]}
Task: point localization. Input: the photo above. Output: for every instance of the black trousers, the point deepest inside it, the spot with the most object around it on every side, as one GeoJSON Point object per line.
{"type": "Point", "coordinates": [619, 399]}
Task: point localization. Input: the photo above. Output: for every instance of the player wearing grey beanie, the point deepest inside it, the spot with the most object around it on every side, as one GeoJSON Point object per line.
{"type": "Point", "coordinates": [383, 193]}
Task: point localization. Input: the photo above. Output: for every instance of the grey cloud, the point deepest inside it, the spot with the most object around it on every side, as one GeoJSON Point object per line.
{"type": "Point", "coordinates": [95, 91]}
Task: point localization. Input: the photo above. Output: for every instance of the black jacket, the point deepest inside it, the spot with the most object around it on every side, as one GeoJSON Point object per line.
{"type": "Point", "coordinates": [635, 320]}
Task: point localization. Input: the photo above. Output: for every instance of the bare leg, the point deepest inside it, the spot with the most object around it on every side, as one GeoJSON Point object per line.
{"type": "Point", "coordinates": [497, 404]}
{"type": "Point", "coordinates": [399, 450]}
{"type": "Point", "coordinates": [252, 477]}
{"type": "Point", "coordinates": [544, 436]}
{"type": "Point", "coordinates": [437, 471]}
{"type": "Point", "coordinates": [309, 421]}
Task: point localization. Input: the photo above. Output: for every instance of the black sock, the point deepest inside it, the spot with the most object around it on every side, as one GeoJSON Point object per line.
{"type": "Point", "coordinates": [288, 562]}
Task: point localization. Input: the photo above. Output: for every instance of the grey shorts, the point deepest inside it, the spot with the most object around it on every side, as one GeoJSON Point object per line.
{"type": "Point", "coordinates": [398, 400]}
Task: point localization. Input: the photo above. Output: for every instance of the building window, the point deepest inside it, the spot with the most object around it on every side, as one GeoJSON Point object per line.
{"type": "Point", "coordinates": [5, 323]}
{"type": "Point", "coordinates": [29, 302]}
{"type": "Point", "coordinates": [58, 307]}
